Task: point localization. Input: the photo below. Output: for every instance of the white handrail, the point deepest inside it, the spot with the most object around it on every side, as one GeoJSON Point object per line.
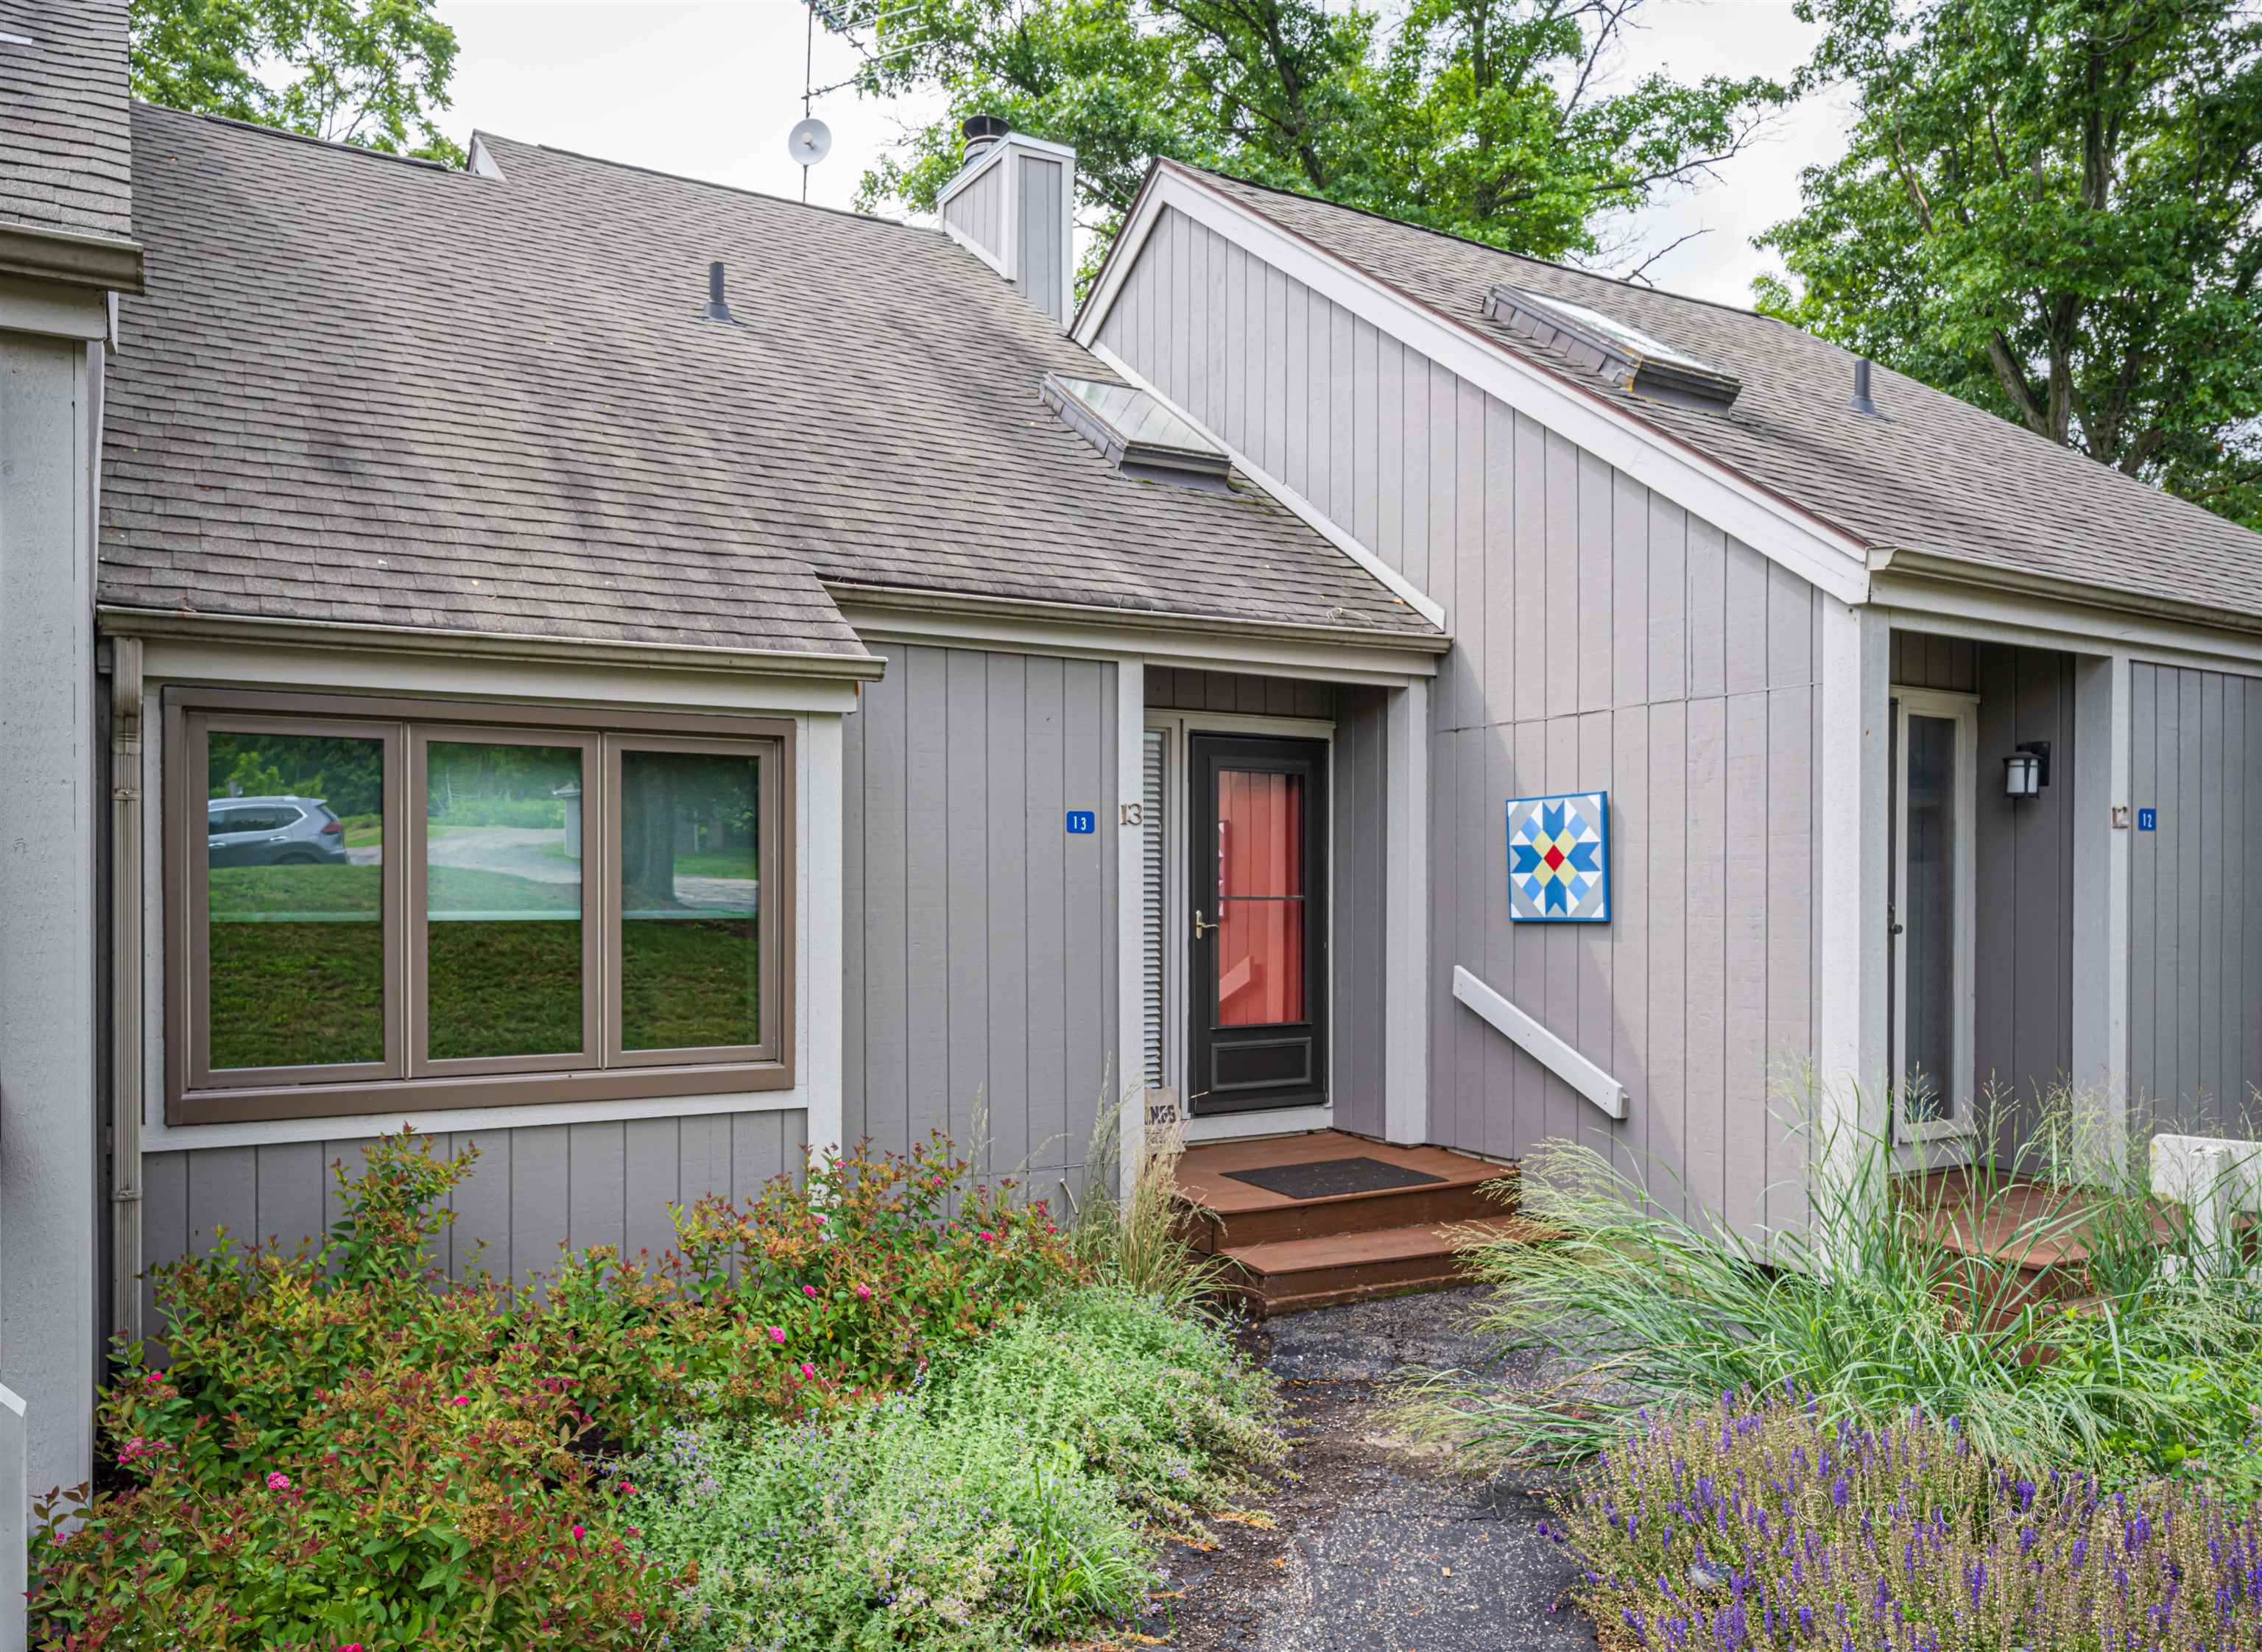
{"type": "Point", "coordinates": [1540, 1044]}
{"type": "Point", "coordinates": [15, 1522]}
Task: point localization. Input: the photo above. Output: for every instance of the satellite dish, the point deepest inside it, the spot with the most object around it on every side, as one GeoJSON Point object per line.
{"type": "Point", "coordinates": [809, 141]}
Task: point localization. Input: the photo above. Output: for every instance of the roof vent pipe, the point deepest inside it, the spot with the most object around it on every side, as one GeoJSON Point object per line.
{"type": "Point", "coordinates": [1862, 404]}
{"type": "Point", "coordinates": [984, 133]}
{"type": "Point", "coordinates": [717, 309]}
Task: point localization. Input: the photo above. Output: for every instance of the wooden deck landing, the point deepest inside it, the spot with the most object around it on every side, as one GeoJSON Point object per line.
{"type": "Point", "coordinates": [1283, 1254]}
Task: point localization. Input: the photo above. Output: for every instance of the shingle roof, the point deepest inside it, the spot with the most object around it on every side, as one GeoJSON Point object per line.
{"type": "Point", "coordinates": [1933, 474]}
{"type": "Point", "coordinates": [371, 390]}
{"type": "Point", "coordinates": [65, 159]}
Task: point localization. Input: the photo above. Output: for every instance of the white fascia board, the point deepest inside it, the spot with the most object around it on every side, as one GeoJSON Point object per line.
{"type": "Point", "coordinates": [1337, 658]}
{"type": "Point", "coordinates": [1824, 556]}
{"type": "Point", "coordinates": [1310, 514]}
{"type": "Point", "coordinates": [2036, 619]}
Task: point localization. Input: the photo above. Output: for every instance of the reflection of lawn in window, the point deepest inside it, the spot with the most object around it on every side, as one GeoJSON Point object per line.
{"type": "Point", "coordinates": [298, 970]}
{"type": "Point", "coordinates": [688, 982]}
{"type": "Point", "coordinates": [711, 863]}
{"type": "Point", "coordinates": [298, 966]}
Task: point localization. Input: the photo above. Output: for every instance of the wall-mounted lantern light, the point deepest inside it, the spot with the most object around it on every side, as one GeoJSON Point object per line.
{"type": "Point", "coordinates": [2027, 770]}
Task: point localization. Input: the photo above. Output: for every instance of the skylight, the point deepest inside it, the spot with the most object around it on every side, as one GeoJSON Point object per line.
{"type": "Point", "coordinates": [1630, 358]}
{"type": "Point", "coordinates": [1139, 435]}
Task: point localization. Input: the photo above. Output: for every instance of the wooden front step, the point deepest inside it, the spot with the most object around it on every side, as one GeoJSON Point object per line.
{"type": "Point", "coordinates": [1282, 1253]}
{"type": "Point", "coordinates": [1285, 1275]}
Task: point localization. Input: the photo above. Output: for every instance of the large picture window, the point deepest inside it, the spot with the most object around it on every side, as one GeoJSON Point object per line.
{"type": "Point", "coordinates": [379, 906]}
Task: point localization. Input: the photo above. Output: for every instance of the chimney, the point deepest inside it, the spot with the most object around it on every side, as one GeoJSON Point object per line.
{"type": "Point", "coordinates": [1862, 404]}
{"type": "Point", "coordinates": [1012, 206]}
{"type": "Point", "coordinates": [983, 133]}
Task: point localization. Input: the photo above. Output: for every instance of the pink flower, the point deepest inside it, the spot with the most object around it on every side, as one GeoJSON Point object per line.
{"type": "Point", "coordinates": [350, 1646]}
{"type": "Point", "coordinates": [863, 1293]}
{"type": "Point", "coordinates": [279, 1482]}
{"type": "Point", "coordinates": [809, 1291]}
{"type": "Point", "coordinates": [807, 1369]}
{"type": "Point", "coordinates": [777, 1335]}
{"type": "Point", "coordinates": [154, 1377]}
{"type": "Point", "coordinates": [461, 1399]}
{"type": "Point", "coordinates": [987, 1236]}
{"type": "Point", "coordinates": [577, 1532]}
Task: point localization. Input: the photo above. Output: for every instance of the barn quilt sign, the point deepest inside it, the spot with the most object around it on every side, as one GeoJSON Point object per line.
{"type": "Point", "coordinates": [1559, 859]}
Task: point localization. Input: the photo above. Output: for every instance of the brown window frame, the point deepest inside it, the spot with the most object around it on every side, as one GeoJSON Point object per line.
{"type": "Point", "coordinates": [406, 1081]}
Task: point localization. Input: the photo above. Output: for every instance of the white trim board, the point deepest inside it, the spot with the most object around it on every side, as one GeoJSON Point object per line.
{"type": "Point", "coordinates": [1319, 659]}
{"type": "Point", "coordinates": [1312, 516]}
{"type": "Point", "coordinates": [1130, 963]}
{"type": "Point", "coordinates": [1948, 608]}
{"type": "Point", "coordinates": [1540, 1044]}
{"type": "Point", "coordinates": [1823, 555]}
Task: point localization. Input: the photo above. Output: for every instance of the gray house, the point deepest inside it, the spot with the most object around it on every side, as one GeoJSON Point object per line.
{"type": "Point", "coordinates": [648, 678]}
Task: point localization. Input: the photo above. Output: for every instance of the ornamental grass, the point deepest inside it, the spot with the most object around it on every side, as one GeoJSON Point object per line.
{"type": "Point", "coordinates": [1743, 1525]}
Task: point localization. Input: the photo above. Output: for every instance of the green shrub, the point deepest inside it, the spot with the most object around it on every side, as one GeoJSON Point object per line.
{"type": "Point", "coordinates": [346, 1445]}
{"type": "Point", "coordinates": [1157, 1403]}
{"type": "Point", "coordinates": [1861, 1301]}
{"type": "Point", "coordinates": [1002, 1500]}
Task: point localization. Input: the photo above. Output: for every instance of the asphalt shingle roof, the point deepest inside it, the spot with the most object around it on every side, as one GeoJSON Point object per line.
{"type": "Point", "coordinates": [369, 390]}
{"type": "Point", "coordinates": [65, 155]}
{"type": "Point", "coordinates": [1933, 474]}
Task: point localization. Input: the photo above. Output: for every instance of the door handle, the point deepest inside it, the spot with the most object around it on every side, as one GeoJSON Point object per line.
{"type": "Point", "coordinates": [1202, 926]}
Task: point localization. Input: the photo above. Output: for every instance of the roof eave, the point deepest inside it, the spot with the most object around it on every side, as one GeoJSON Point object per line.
{"type": "Point", "coordinates": [34, 251]}
{"type": "Point", "coordinates": [124, 619]}
{"type": "Point", "coordinates": [1429, 642]}
{"type": "Point", "coordinates": [1900, 562]}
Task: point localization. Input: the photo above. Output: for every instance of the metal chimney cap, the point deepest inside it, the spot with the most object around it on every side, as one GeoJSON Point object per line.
{"type": "Point", "coordinates": [989, 128]}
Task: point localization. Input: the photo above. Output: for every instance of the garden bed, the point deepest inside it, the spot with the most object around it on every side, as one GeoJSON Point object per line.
{"type": "Point", "coordinates": [884, 1407]}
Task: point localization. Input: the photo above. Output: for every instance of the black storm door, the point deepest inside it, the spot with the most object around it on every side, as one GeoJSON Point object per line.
{"type": "Point", "coordinates": [1258, 845]}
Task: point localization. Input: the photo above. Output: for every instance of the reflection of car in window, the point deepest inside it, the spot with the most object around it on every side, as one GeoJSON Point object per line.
{"type": "Point", "coordinates": [273, 831]}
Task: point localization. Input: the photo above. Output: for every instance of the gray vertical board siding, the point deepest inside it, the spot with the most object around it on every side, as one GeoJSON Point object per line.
{"type": "Point", "coordinates": [531, 1190]}
{"type": "Point", "coordinates": [1603, 638]}
{"type": "Point", "coordinates": [2195, 963]}
{"type": "Point", "coordinates": [1170, 689]}
{"type": "Point", "coordinates": [1037, 247]}
{"type": "Point", "coordinates": [987, 946]}
{"type": "Point", "coordinates": [978, 211]}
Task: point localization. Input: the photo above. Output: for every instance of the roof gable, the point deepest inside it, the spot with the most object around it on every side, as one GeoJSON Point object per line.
{"type": "Point", "coordinates": [1932, 475]}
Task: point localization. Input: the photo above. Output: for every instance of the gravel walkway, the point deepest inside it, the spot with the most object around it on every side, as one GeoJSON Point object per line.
{"type": "Point", "coordinates": [1377, 1546]}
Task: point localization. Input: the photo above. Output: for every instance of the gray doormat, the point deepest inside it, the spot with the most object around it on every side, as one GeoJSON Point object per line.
{"type": "Point", "coordinates": [1326, 1178]}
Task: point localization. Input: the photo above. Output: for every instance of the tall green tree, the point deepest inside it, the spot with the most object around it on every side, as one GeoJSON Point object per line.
{"type": "Point", "coordinates": [367, 72]}
{"type": "Point", "coordinates": [1496, 119]}
{"type": "Point", "coordinates": [2049, 208]}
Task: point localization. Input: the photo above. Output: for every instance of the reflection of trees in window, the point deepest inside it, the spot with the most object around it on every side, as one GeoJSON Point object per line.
{"type": "Point", "coordinates": [348, 775]}
{"type": "Point", "coordinates": [679, 807]}
{"type": "Point", "coordinates": [475, 784]}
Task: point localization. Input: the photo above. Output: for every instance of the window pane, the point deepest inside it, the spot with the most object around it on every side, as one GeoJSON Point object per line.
{"type": "Point", "coordinates": [502, 900]}
{"type": "Point", "coordinates": [1929, 925]}
{"type": "Point", "coordinates": [1260, 881]}
{"type": "Point", "coordinates": [690, 869]}
{"type": "Point", "coordinates": [296, 900]}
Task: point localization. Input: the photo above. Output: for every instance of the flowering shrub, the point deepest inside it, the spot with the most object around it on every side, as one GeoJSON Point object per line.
{"type": "Point", "coordinates": [999, 1501]}
{"type": "Point", "coordinates": [813, 1296]}
{"type": "Point", "coordinates": [1758, 1527]}
{"type": "Point", "coordinates": [397, 1513]}
{"type": "Point", "coordinates": [345, 1447]}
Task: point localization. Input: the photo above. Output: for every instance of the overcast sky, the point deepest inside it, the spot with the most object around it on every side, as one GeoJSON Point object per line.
{"type": "Point", "coordinates": [710, 90]}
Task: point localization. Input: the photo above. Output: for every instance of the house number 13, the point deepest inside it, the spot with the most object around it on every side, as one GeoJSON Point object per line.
{"type": "Point", "coordinates": [1133, 814]}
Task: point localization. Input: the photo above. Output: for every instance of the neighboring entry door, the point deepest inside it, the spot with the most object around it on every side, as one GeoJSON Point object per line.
{"type": "Point", "coordinates": [1933, 928]}
{"type": "Point", "coordinates": [1257, 845]}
